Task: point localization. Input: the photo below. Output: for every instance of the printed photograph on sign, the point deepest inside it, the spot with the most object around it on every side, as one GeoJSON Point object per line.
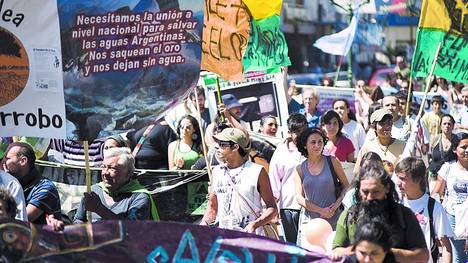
{"type": "Point", "coordinates": [14, 67]}
{"type": "Point", "coordinates": [126, 62]}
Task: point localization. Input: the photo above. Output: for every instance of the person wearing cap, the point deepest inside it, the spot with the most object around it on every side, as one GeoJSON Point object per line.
{"type": "Point", "coordinates": [432, 119]}
{"type": "Point", "coordinates": [238, 187]}
{"type": "Point", "coordinates": [388, 148]}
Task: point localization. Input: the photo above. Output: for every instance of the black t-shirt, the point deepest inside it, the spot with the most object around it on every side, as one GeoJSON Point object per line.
{"type": "Point", "coordinates": [153, 152]}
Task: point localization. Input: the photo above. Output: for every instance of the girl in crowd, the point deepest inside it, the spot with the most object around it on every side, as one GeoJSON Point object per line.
{"type": "Point", "coordinates": [440, 146]}
{"type": "Point", "coordinates": [186, 150]}
{"type": "Point", "coordinates": [440, 86]}
{"type": "Point", "coordinates": [268, 125]}
{"type": "Point", "coordinates": [351, 127]}
{"type": "Point", "coordinates": [372, 243]}
{"type": "Point", "coordinates": [337, 144]}
{"type": "Point", "coordinates": [453, 179]}
{"type": "Point", "coordinates": [315, 180]}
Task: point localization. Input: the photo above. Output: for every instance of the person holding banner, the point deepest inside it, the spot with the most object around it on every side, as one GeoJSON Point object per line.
{"type": "Point", "coordinates": [238, 187]}
{"type": "Point", "coordinates": [119, 196]}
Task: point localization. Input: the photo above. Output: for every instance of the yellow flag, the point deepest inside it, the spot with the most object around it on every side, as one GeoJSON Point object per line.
{"type": "Point", "coordinates": [263, 8]}
{"type": "Point", "coordinates": [434, 15]}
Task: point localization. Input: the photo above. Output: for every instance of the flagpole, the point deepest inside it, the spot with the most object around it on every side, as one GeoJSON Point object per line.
{"type": "Point", "coordinates": [202, 134]}
{"type": "Point", "coordinates": [88, 177]}
{"type": "Point", "coordinates": [428, 80]}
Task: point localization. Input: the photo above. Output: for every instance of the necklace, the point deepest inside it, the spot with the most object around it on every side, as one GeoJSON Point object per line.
{"type": "Point", "coordinates": [227, 171]}
{"type": "Point", "coordinates": [384, 148]}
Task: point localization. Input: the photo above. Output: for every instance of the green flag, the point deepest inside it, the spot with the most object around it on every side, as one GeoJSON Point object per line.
{"type": "Point", "coordinates": [442, 22]}
{"type": "Point", "coordinates": [267, 47]}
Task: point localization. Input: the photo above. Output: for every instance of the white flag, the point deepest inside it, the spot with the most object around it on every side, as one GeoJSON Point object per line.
{"type": "Point", "coordinates": [339, 43]}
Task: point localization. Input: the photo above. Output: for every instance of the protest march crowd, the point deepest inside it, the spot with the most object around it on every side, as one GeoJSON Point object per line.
{"type": "Point", "coordinates": [399, 204]}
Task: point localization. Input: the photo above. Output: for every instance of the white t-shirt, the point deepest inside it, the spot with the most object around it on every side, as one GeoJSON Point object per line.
{"type": "Point", "coordinates": [282, 166]}
{"type": "Point", "coordinates": [12, 184]}
{"type": "Point", "coordinates": [356, 133]}
{"type": "Point", "coordinates": [439, 216]}
{"type": "Point", "coordinates": [456, 183]}
{"type": "Point", "coordinates": [233, 211]}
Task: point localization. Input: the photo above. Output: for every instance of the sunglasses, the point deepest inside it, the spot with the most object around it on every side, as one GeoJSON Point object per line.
{"type": "Point", "coordinates": [224, 144]}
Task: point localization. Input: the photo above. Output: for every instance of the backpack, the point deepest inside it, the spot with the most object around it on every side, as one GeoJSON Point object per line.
{"type": "Point", "coordinates": [434, 247]}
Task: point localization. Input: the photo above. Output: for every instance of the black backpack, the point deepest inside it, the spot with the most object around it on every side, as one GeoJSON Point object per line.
{"type": "Point", "coordinates": [434, 247]}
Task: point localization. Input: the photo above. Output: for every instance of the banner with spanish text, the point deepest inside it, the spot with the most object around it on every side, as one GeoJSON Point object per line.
{"type": "Point", "coordinates": [442, 22]}
{"type": "Point", "coordinates": [31, 86]}
{"type": "Point", "coordinates": [126, 62]}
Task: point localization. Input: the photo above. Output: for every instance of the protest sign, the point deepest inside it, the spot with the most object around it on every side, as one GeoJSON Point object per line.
{"type": "Point", "coordinates": [329, 94]}
{"type": "Point", "coordinates": [31, 96]}
{"type": "Point", "coordinates": [263, 8]}
{"type": "Point", "coordinates": [267, 47]}
{"type": "Point", "coordinates": [225, 36]}
{"type": "Point", "coordinates": [442, 22]}
{"type": "Point", "coordinates": [144, 241]}
{"type": "Point", "coordinates": [126, 63]}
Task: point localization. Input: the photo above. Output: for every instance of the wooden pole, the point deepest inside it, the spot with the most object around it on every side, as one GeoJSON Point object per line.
{"type": "Point", "coordinates": [88, 177]}
{"type": "Point", "coordinates": [205, 151]}
{"type": "Point", "coordinates": [220, 100]}
{"type": "Point", "coordinates": [428, 80]}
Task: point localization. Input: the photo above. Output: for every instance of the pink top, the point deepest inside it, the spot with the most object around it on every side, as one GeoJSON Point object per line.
{"type": "Point", "coordinates": [341, 150]}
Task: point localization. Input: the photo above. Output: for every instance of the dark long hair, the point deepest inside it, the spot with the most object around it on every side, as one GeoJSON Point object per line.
{"type": "Point", "coordinates": [456, 139]}
{"type": "Point", "coordinates": [196, 136]}
{"type": "Point", "coordinates": [351, 114]}
{"type": "Point", "coordinates": [328, 117]}
{"type": "Point", "coordinates": [302, 140]}
{"type": "Point", "coordinates": [360, 209]}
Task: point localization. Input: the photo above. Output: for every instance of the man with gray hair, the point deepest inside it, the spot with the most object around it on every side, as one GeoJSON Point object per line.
{"type": "Point", "coordinates": [119, 195]}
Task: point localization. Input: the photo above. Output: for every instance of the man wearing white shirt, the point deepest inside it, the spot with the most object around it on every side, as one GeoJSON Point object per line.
{"type": "Point", "coordinates": [412, 183]}
{"type": "Point", "coordinates": [284, 161]}
{"type": "Point", "coordinates": [15, 189]}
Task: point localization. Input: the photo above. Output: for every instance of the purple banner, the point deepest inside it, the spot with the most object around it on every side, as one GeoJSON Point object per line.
{"type": "Point", "coordinates": [140, 241]}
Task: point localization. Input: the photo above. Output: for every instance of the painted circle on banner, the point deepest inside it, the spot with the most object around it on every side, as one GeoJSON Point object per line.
{"type": "Point", "coordinates": [14, 67]}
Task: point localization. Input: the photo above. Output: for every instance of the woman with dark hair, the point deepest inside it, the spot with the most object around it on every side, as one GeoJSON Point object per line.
{"type": "Point", "coordinates": [186, 150]}
{"type": "Point", "coordinates": [372, 243]}
{"type": "Point", "coordinates": [320, 180]}
{"type": "Point", "coordinates": [337, 144]}
{"type": "Point", "coordinates": [440, 145]}
{"type": "Point", "coordinates": [377, 198]}
{"type": "Point", "coordinates": [453, 180]}
{"type": "Point", "coordinates": [351, 127]}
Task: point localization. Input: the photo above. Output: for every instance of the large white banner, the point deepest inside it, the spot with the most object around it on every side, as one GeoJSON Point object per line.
{"type": "Point", "coordinates": [31, 85]}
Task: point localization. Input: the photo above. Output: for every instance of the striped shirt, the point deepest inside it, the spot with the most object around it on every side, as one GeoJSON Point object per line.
{"type": "Point", "coordinates": [42, 194]}
{"type": "Point", "coordinates": [73, 152]}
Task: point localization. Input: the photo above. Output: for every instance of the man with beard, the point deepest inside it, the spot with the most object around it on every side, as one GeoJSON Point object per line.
{"type": "Point", "coordinates": [377, 199]}
{"type": "Point", "coordinates": [42, 198]}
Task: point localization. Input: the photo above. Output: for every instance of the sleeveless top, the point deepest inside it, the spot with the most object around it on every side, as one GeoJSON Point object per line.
{"type": "Point", "coordinates": [189, 157]}
{"type": "Point", "coordinates": [439, 156]}
{"type": "Point", "coordinates": [320, 190]}
{"type": "Point", "coordinates": [233, 211]}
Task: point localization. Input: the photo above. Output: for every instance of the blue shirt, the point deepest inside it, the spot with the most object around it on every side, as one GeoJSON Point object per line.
{"type": "Point", "coordinates": [314, 120]}
{"type": "Point", "coordinates": [43, 195]}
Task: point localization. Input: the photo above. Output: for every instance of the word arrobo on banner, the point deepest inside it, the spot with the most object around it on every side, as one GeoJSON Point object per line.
{"type": "Point", "coordinates": [139, 241]}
